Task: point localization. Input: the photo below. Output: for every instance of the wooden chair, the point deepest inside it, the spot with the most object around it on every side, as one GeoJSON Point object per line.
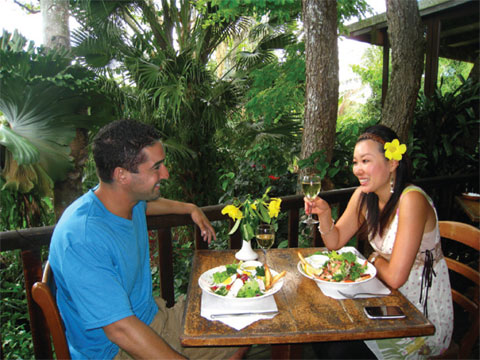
{"type": "Point", "coordinates": [44, 295]}
{"type": "Point", "coordinates": [469, 236]}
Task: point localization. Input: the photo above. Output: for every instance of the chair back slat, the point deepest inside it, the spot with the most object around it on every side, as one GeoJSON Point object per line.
{"type": "Point", "coordinates": [469, 236]}
{"type": "Point", "coordinates": [461, 232]}
{"type": "Point", "coordinates": [463, 270]}
{"type": "Point", "coordinates": [42, 295]}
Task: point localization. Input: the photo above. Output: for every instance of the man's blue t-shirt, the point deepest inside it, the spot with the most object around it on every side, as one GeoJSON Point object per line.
{"type": "Point", "coordinates": [102, 271]}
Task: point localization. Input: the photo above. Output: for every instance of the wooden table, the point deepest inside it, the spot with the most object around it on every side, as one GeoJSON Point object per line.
{"type": "Point", "coordinates": [470, 207]}
{"type": "Point", "coordinates": [305, 314]}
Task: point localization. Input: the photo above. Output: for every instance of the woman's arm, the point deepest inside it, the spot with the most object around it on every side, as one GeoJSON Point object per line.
{"type": "Point", "coordinates": [165, 206]}
{"type": "Point", "coordinates": [336, 235]}
{"type": "Point", "coordinates": [415, 216]}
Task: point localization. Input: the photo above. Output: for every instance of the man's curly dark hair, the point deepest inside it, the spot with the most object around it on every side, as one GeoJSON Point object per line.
{"type": "Point", "coordinates": [120, 144]}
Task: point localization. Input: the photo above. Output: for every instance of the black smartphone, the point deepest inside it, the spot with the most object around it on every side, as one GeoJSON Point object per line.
{"type": "Point", "coordinates": [384, 312]}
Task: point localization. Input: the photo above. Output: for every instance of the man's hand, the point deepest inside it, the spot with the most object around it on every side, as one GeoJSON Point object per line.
{"type": "Point", "coordinates": [203, 223]}
{"type": "Point", "coordinates": [163, 206]}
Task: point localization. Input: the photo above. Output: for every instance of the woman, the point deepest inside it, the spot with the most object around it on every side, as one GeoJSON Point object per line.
{"type": "Point", "coordinates": [402, 228]}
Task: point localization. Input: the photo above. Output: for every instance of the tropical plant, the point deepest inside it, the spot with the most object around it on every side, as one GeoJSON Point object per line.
{"type": "Point", "coordinates": [43, 100]}
{"type": "Point", "coordinates": [174, 82]}
{"type": "Point", "coordinates": [16, 338]}
{"type": "Point", "coordinates": [451, 74]}
{"type": "Point", "coordinates": [444, 138]}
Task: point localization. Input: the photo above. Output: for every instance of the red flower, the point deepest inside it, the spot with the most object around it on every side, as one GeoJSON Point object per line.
{"type": "Point", "coordinates": [274, 177]}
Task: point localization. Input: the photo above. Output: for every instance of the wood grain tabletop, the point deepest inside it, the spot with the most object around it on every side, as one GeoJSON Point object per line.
{"type": "Point", "coordinates": [470, 207]}
{"type": "Point", "coordinates": [305, 314]}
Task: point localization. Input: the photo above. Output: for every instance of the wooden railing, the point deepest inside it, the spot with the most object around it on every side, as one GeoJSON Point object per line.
{"type": "Point", "coordinates": [30, 241]}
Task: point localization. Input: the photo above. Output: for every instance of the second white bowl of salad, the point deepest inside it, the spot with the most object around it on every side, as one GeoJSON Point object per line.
{"type": "Point", "coordinates": [340, 269]}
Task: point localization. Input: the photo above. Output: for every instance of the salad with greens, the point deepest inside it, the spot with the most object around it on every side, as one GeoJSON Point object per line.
{"type": "Point", "coordinates": [339, 267]}
{"type": "Point", "coordinates": [240, 280]}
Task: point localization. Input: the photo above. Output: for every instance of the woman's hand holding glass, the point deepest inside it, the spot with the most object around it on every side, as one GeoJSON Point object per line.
{"type": "Point", "coordinates": [316, 206]}
{"type": "Point", "coordinates": [311, 185]}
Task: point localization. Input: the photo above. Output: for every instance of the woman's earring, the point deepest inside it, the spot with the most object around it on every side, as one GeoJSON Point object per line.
{"type": "Point", "coordinates": [392, 184]}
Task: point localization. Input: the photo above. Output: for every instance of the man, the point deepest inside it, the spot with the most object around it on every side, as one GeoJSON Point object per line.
{"type": "Point", "coordinates": [100, 258]}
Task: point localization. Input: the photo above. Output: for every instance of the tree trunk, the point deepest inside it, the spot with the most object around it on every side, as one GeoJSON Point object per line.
{"type": "Point", "coordinates": [321, 52]}
{"type": "Point", "coordinates": [66, 191]}
{"type": "Point", "coordinates": [56, 34]}
{"type": "Point", "coordinates": [405, 31]}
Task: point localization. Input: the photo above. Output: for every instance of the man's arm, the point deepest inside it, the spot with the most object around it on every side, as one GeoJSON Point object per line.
{"type": "Point", "coordinates": [165, 206]}
{"type": "Point", "coordinates": [139, 340]}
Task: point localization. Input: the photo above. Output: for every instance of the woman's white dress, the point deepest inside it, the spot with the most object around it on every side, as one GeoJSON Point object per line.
{"type": "Point", "coordinates": [439, 304]}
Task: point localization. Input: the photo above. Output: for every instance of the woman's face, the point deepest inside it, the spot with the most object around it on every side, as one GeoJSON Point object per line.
{"type": "Point", "coordinates": [371, 167]}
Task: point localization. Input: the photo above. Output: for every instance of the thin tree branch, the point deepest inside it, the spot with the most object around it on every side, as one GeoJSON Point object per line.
{"type": "Point", "coordinates": [25, 7]}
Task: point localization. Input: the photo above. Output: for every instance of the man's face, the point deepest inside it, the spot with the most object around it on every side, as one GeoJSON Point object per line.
{"type": "Point", "coordinates": [145, 184]}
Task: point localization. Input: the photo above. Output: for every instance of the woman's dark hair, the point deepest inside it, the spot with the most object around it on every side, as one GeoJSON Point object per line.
{"type": "Point", "coordinates": [378, 220]}
{"type": "Point", "coordinates": [120, 144]}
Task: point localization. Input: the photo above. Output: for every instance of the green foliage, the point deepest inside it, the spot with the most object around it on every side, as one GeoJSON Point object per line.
{"type": "Point", "coordinates": [16, 338]}
{"type": "Point", "coordinates": [279, 11]}
{"type": "Point", "coordinates": [19, 211]}
{"type": "Point", "coordinates": [451, 73]}
{"type": "Point", "coordinates": [278, 89]}
{"type": "Point", "coordinates": [42, 102]}
{"type": "Point", "coordinates": [370, 72]}
{"type": "Point", "coordinates": [175, 87]}
{"type": "Point", "coordinates": [444, 137]}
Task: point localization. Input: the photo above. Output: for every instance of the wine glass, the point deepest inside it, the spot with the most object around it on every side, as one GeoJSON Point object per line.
{"type": "Point", "coordinates": [265, 237]}
{"type": "Point", "coordinates": [311, 185]}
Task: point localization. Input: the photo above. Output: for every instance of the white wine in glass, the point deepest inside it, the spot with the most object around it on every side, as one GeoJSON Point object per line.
{"type": "Point", "coordinates": [311, 185]}
{"type": "Point", "coordinates": [265, 237]}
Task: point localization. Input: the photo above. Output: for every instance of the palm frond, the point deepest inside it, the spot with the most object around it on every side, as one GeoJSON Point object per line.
{"type": "Point", "coordinates": [39, 124]}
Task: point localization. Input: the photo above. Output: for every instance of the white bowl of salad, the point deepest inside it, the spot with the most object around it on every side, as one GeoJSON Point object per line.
{"type": "Point", "coordinates": [240, 281]}
{"type": "Point", "coordinates": [339, 269]}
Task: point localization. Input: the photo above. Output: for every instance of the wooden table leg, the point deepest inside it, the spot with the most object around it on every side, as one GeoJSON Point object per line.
{"type": "Point", "coordinates": [286, 351]}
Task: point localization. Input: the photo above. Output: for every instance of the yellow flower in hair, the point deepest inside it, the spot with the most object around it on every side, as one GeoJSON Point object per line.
{"type": "Point", "coordinates": [233, 212]}
{"type": "Point", "coordinates": [394, 150]}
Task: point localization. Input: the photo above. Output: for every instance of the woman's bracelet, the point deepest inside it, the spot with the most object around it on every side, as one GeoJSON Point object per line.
{"type": "Point", "coordinates": [329, 230]}
{"type": "Point", "coordinates": [373, 257]}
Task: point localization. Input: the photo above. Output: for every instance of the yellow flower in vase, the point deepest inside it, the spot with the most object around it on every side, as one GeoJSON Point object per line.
{"type": "Point", "coordinates": [249, 213]}
{"type": "Point", "coordinates": [233, 212]}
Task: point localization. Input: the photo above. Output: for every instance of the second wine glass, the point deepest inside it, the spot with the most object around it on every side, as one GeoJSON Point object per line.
{"type": "Point", "coordinates": [311, 185]}
{"type": "Point", "coordinates": [265, 235]}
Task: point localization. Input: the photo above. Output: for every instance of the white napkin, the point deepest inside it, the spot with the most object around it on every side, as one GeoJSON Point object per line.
{"type": "Point", "coordinates": [373, 286]}
{"type": "Point", "coordinates": [212, 304]}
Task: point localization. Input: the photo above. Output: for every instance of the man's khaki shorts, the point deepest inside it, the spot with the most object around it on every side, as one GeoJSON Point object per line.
{"type": "Point", "coordinates": [167, 323]}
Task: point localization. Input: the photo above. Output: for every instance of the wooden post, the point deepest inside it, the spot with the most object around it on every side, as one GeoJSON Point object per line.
{"type": "Point", "coordinates": [165, 265]}
{"type": "Point", "coordinates": [432, 51]}
{"type": "Point", "coordinates": [293, 221]}
{"type": "Point", "coordinates": [32, 272]}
